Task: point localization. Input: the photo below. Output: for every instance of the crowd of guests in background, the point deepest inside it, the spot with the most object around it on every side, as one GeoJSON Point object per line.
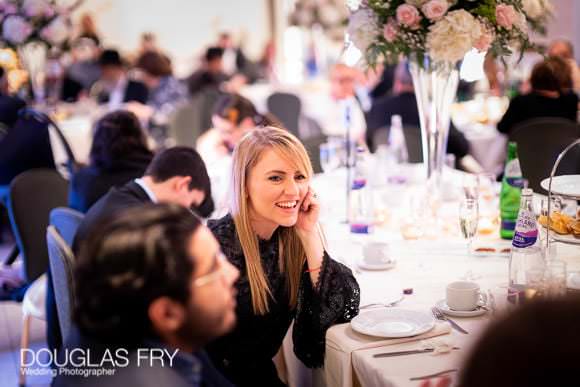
{"type": "Point", "coordinates": [149, 273]}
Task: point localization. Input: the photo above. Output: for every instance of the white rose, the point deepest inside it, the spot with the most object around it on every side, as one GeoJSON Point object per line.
{"type": "Point", "coordinates": [521, 23]}
{"type": "Point", "coordinates": [535, 9]}
{"type": "Point", "coordinates": [450, 38]}
{"type": "Point", "coordinates": [363, 28]}
{"type": "Point", "coordinates": [56, 32]}
{"type": "Point", "coordinates": [35, 8]}
{"type": "Point", "coordinates": [16, 30]}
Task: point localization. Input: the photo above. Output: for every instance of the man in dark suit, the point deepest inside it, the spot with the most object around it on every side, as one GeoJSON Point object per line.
{"type": "Point", "coordinates": [152, 288]}
{"type": "Point", "coordinates": [176, 175]}
{"type": "Point", "coordinates": [113, 87]}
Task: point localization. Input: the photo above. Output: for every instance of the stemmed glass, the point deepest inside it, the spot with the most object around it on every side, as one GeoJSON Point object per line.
{"type": "Point", "coordinates": [468, 219]}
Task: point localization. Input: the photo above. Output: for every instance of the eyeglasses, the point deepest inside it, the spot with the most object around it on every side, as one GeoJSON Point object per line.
{"type": "Point", "coordinates": [214, 273]}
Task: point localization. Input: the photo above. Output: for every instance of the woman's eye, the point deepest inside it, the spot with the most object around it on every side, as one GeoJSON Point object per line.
{"type": "Point", "coordinates": [300, 177]}
{"type": "Point", "coordinates": [275, 178]}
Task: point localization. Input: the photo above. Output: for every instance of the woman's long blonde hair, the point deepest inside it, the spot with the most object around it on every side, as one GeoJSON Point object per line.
{"type": "Point", "coordinates": [246, 155]}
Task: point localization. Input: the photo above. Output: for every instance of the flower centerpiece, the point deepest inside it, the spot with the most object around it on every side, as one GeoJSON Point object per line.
{"type": "Point", "coordinates": [31, 27]}
{"type": "Point", "coordinates": [435, 35]}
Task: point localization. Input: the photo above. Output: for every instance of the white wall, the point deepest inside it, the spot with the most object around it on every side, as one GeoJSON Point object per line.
{"type": "Point", "coordinates": [183, 27]}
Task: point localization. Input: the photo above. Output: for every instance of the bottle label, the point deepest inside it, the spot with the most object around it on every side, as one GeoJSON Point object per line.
{"type": "Point", "coordinates": [358, 183]}
{"type": "Point", "coordinates": [517, 182]}
{"type": "Point", "coordinates": [508, 224]}
{"type": "Point", "coordinates": [359, 228]}
{"type": "Point", "coordinates": [526, 232]}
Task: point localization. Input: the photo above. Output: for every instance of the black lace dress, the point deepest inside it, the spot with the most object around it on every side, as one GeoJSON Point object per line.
{"type": "Point", "coordinates": [245, 355]}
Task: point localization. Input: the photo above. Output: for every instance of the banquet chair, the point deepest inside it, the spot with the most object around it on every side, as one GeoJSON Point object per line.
{"type": "Point", "coordinates": [287, 108]}
{"type": "Point", "coordinates": [312, 146]}
{"type": "Point", "coordinates": [61, 260]}
{"type": "Point", "coordinates": [412, 136]}
{"type": "Point", "coordinates": [65, 222]}
{"type": "Point", "coordinates": [33, 194]}
{"type": "Point", "coordinates": [540, 141]}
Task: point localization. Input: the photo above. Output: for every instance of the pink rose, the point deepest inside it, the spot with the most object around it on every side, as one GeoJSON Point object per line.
{"type": "Point", "coordinates": [390, 31]}
{"type": "Point", "coordinates": [435, 9]}
{"type": "Point", "coordinates": [505, 15]}
{"type": "Point", "coordinates": [483, 42]}
{"type": "Point", "coordinates": [408, 15]}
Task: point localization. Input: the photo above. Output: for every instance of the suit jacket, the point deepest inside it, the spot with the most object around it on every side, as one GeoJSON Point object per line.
{"type": "Point", "coordinates": [405, 105]}
{"type": "Point", "coordinates": [133, 374]}
{"type": "Point", "coordinates": [89, 184]}
{"type": "Point", "coordinates": [114, 201]}
{"type": "Point", "coordinates": [134, 91]}
{"type": "Point", "coordinates": [9, 107]}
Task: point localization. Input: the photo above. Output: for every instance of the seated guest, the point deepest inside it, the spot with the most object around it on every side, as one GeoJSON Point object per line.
{"type": "Point", "coordinates": [545, 100]}
{"type": "Point", "coordinates": [165, 91]}
{"type": "Point", "coordinates": [272, 236]}
{"type": "Point", "coordinates": [233, 116]}
{"type": "Point", "coordinates": [113, 87]}
{"type": "Point", "coordinates": [153, 279]}
{"type": "Point", "coordinates": [564, 49]}
{"type": "Point", "coordinates": [83, 72]}
{"type": "Point", "coordinates": [9, 105]}
{"type": "Point", "coordinates": [176, 175]}
{"type": "Point", "coordinates": [403, 103]}
{"type": "Point", "coordinates": [211, 75]}
{"type": "Point", "coordinates": [535, 346]}
{"type": "Point", "coordinates": [118, 154]}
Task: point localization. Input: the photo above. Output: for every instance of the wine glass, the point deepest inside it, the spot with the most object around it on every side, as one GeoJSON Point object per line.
{"type": "Point", "coordinates": [329, 157]}
{"type": "Point", "coordinates": [468, 219]}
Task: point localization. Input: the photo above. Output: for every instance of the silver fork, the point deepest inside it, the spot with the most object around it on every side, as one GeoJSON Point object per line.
{"type": "Point", "coordinates": [384, 304]}
{"type": "Point", "coordinates": [440, 316]}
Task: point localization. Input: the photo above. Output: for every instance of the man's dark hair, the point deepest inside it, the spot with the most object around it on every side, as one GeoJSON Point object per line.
{"type": "Point", "coordinates": [522, 348]}
{"type": "Point", "coordinates": [127, 263]}
{"type": "Point", "coordinates": [544, 75]}
{"type": "Point", "coordinates": [118, 135]}
{"type": "Point", "coordinates": [214, 53]}
{"type": "Point", "coordinates": [154, 64]}
{"type": "Point", "coordinates": [235, 109]}
{"type": "Point", "coordinates": [183, 161]}
{"type": "Point", "coordinates": [110, 58]}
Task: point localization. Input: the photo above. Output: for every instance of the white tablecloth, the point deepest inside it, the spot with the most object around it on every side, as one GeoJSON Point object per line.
{"type": "Point", "coordinates": [426, 266]}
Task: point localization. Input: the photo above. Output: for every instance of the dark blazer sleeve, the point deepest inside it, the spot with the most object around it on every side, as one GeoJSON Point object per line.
{"type": "Point", "coordinates": [511, 116]}
{"type": "Point", "coordinates": [136, 91]}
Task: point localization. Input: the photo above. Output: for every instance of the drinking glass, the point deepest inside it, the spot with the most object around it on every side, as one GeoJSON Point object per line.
{"type": "Point", "coordinates": [555, 278]}
{"type": "Point", "coordinates": [468, 219]}
{"type": "Point", "coordinates": [470, 186]}
{"type": "Point", "coordinates": [329, 157]}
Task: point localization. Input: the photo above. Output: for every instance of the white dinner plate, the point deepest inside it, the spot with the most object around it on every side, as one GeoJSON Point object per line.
{"type": "Point", "coordinates": [366, 265]}
{"type": "Point", "coordinates": [573, 281]}
{"type": "Point", "coordinates": [443, 307]}
{"type": "Point", "coordinates": [568, 185]}
{"type": "Point", "coordinates": [393, 322]}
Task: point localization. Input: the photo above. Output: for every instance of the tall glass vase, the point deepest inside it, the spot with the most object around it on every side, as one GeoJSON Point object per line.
{"type": "Point", "coordinates": [33, 57]}
{"type": "Point", "coordinates": [435, 91]}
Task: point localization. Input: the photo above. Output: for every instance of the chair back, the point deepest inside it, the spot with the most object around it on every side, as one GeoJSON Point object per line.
{"type": "Point", "coordinates": [66, 221]}
{"type": "Point", "coordinates": [33, 194]}
{"type": "Point", "coordinates": [312, 145]}
{"type": "Point", "coordinates": [540, 141]}
{"type": "Point", "coordinates": [61, 261]}
{"type": "Point", "coordinates": [287, 108]}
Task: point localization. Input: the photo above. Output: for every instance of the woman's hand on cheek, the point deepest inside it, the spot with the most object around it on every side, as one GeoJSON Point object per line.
{"type": "Point", "coordinates": [308, 213]}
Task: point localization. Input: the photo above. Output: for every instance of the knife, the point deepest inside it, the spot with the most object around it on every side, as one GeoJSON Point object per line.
{"type": "Point", "coordinates": [410, 352]}
{"type": "Point", "coordinates": [456, 326]}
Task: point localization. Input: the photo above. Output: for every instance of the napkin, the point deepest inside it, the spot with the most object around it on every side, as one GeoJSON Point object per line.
{"type": "Point", "coordinates": [341, 341]}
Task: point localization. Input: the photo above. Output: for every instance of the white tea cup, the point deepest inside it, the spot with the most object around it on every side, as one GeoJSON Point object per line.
{"type": "Point", "coordinates": [464, 296]}
{"type": "Point", "coordinates": [376, 252]}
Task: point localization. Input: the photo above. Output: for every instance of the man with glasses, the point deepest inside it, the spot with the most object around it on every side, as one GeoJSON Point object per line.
{"type": "Point", "coordinates": [152, 288]}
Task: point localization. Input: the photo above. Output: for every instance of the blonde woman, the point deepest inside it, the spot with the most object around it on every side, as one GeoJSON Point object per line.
{"type": "Point", "coordinates": [272, 236]}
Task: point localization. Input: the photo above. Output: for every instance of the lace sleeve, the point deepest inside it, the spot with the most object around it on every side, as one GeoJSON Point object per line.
{"type": "Point", "coordinates": [334, 300]}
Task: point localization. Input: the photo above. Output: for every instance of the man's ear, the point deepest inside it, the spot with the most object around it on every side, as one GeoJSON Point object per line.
{"type": "Point", "coordinates": [166, 315]}
{"type": "Point", "coordinates": [182, 183]}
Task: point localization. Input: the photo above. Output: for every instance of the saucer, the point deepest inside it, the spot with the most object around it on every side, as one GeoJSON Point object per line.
{"type": "Point", "coordinates": [443, 307]}
{"type": "Point", "coordinates": [365, 265]}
